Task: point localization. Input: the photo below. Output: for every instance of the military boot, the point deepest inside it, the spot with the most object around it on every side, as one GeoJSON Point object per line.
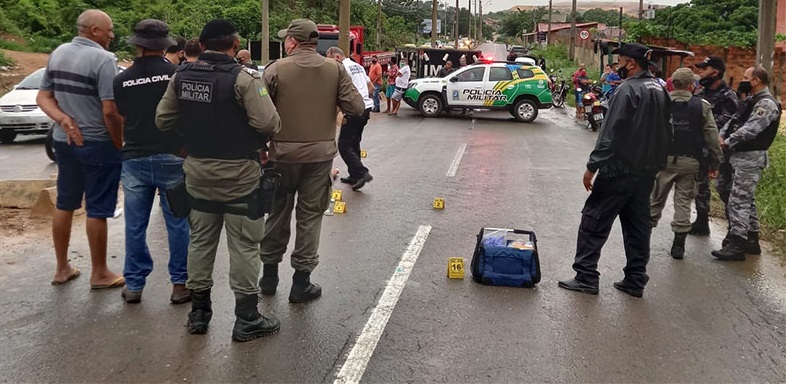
{"type": "Point", "coordinates": [269, 281]}
{"type": "Point", "coordinates": [752, 246]}
{"type": "Point", "coordinates": [701, 227]}
{"type": "Point", "coordinates": [249, 323]}
{"type": "Point", "coordinates": [201, 312]}
{"type": "Point", "coordinates": [734, 250]}
{"type": "Point", "coordinates": [678, 246]}
{"type": "Point", "coordinates": [302, 288]}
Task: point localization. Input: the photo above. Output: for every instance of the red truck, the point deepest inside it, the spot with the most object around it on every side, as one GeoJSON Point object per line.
{"type": "Point", "coordinates": [328, 37]}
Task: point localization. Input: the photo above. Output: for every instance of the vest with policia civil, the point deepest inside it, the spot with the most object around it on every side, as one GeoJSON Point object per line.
{"type": "Point", "coordinates": [688, 121]}
{"type": "Point", "coordinates": [214, 125]}
{"type": "Point", "coordinates": [763, 141]}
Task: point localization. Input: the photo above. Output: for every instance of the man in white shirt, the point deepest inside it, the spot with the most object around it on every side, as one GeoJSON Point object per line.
{"type": "Point", "coordinates": [401, 86]}
{"type": "Point", "coordinates": [352, 127]}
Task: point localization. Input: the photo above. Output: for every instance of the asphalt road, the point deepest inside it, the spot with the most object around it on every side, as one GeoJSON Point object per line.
{"type": "Point", "coordinates": [699, 321]}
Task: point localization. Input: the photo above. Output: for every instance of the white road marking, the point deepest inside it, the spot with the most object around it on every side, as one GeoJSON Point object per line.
{"type": "Point", "coordinates": [355, 365]}
{"type": "Point", "coordinates": [456, 160]}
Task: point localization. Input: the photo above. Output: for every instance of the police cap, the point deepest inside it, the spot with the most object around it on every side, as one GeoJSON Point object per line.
{"type": "Point", "coordinates": [216, 29]}
{"type": "Point", "coordinates": [641, 53]}
{"type": "Point", "coordinates": [683, 78]}
{"type": "Point", "coordinates": [714, 62]}
{"type": "Point", "coordinates": [302, 30]}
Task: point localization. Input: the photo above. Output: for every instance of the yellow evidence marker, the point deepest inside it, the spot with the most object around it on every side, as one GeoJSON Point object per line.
{"type": "Point", "coordinates": [439, 203]}
{"type": "Point", "coordinates": [363, 154]}
{"type": "Point", "coordinates": [340, 207]}
{"type": "Point", "coordinates": [337, 194]}
{"type": "Point", "coordinates": [456, 268]}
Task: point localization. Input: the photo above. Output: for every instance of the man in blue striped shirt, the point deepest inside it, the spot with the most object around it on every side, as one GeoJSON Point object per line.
{"type": "Point", "coordinates": [76, 92]}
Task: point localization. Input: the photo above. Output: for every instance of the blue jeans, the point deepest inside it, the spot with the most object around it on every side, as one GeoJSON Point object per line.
{"type": "Point", "coordinates": [141, 178]}
{"type": "Point", "coordinates": [375, 96]}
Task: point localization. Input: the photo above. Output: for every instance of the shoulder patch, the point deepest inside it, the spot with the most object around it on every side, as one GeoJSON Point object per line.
{"type": "Point", "coordinates": [262, 91]}
{"type": "Point", "coordinates": [251, 72]}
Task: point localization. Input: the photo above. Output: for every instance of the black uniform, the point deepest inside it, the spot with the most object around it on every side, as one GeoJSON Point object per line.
{"type": "Point", "coordinates": [137, 93]}
{"type": "Point", "coordinates": [724, 103]}
{"type": "Point", "coordinates": [632, 147]}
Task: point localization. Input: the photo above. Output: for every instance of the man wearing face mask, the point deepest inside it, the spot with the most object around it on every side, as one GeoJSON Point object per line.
{"type": "Point", "coordinates": [303, 152]}
{"type": "Point", "coordinates": [724, 104]}
{"type": "Point", "coordinates": [225, 115]}
{"type": "Point", "coordinates": [632, 147]}
{"type": "Point", "coordinates": [747, 137]}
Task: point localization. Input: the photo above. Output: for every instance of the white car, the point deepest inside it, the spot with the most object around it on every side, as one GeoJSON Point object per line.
{"type": "Point", "coordinates": [19, 113]}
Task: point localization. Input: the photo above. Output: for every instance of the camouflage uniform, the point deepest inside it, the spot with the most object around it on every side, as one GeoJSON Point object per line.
{"type": "Point", "coordinates": [724, 104]}
{"type": "Point", "coordinates": [748, 165]}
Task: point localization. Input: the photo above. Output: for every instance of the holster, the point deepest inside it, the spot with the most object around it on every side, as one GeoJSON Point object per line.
{"type": "Point", "coordinates": [269, 183]}
{"type": "Point", "coordinates": [177, 198]}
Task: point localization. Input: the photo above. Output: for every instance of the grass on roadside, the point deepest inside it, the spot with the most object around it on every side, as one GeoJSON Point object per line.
{"type": "Point", "coordinates": [557, 60]}
{"type": "Point", "coordinates": [5, 60]}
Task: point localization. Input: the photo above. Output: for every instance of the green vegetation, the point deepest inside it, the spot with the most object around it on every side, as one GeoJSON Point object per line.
{"type": "Point", "coordinates": [770, 196]}
{"type": "Point", "coordinates": [703, 22]}
{"type": "Point", "coordinates": [557, 60]}
{"type": "Point", "coordinates": [512, 24]}
{"type": "Point", "coordinates": [44, 24]}
{"type": "Point", "coordinates": [5, 61]}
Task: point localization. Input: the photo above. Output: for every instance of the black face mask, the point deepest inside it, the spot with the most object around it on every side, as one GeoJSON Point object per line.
{"type": "Point", "coordinates": [622, 72]}
{"type": "Point", "coordinates": [745, 87]}
{"type": "Point", "coordinates": [707, 82]}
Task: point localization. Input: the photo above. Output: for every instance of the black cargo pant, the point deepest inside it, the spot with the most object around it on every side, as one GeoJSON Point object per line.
{"type": "Point", "coordinates": [349, 143]}
{"type": "Point", "coordinates": [628, 197]}
{"type": "Point", "coordinates": [723, 183]}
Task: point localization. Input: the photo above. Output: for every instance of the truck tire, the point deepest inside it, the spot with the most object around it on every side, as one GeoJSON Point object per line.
{"type": "Point", "coordinates": [48, 147]}
{"type": "Point", "coordinates": [430, 105]}
{"type": "Point", "coordinates": [525, 110]}
{"type": "Point", "coordinates": [7, 137]}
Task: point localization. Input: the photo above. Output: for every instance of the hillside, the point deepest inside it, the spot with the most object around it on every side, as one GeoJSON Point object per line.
{"type": "Point", "coordinates": [628, 7]}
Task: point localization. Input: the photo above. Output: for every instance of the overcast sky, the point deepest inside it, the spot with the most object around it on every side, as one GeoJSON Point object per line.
{"type": "Point", "coordinates": [500, 5]}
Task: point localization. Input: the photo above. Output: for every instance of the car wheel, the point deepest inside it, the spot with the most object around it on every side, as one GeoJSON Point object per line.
{"type": "Point", "coordinates": [430, 105]}
{"type": "Point", "coordinates": [50, 149]}
{"type": "Point", "coordinates": [525, 110]}
{"type": "Point", "coordinates": [7, 137]}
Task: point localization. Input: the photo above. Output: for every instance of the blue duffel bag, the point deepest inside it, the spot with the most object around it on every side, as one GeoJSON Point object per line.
{"type": "Point", "coordinates": [495, 262]}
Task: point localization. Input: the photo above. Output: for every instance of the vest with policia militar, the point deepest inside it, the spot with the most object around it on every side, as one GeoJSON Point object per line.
{"type": "Point", "coordinates": [763, 141]}
{"type": "Point", "coordinates": [214, 125]}
{"type": "Point", "coordinates": [688, 121]}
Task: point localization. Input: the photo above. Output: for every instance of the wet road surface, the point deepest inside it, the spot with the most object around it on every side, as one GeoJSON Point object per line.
{"type": "Point", "coordinates": [699, 321]}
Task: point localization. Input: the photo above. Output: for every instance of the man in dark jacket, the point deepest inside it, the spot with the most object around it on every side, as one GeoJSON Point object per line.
{"type": "Point", "coordinates": [631, 148]}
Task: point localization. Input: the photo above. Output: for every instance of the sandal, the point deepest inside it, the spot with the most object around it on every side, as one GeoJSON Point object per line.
{"type": "Point", "coordinates": [74, 274]}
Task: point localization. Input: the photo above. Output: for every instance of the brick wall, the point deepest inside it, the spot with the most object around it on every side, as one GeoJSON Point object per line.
{"type": "Point", "coordinates": [737, 61]}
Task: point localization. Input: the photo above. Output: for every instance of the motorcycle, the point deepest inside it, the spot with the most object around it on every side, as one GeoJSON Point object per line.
{"type": "Point", "coordinates": [558, 91]}
{"type": "Point", "coordinates": [594, 109]}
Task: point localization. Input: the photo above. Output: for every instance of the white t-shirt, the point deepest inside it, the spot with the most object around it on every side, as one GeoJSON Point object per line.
{"type": "Point", "coordinates": [403, 80]}
{"type": "Point", "coordinates": [359, 79]}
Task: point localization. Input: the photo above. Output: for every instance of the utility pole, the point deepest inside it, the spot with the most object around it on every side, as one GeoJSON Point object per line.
{"type": "Point", "coordinates": [641, 9]}
{"type": "Point", "coordinates": [456, 31]}
{"type": "Point", "coordinates": [265, 43]}
{"type": "Point", "coordinates": [433, 23]}
{"type": "Point", "coordinates": [480, 22]}
{"type": "Point", "coordinates": [765, 45]}
{"type": "Point", "coordinates": [469, 19]}
{"type": "Point", "coordinates": [573, 33]}
{"type": "Point", "coordinates": [619, 31]}
{"type": "Point", "coordinates": [548, 34]}
{"type": "Point", "coordinates": [343, 26]}
{"type": "Point", "coordinates": [379, 24]}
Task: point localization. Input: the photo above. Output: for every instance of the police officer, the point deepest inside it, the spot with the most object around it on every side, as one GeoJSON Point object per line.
{"type": "Point", "coordinates": [694, 134]}
{"type": "Point", "coordinates": [724, 104]}
{"type": "Point", "coordinates": [151, 162]}
{"type": "Point", "coordinates": [225, 114]}
{"type": "Point", "coordinates": [632, 147]}
{"type": "Point", "coordinates": [748, 143]}
{"type": "Point", "coordinates": [303, 152]}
